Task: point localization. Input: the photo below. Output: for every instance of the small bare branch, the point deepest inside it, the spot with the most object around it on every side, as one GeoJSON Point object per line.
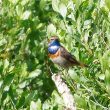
{"type": "Point", "coordinates": [64, 91]}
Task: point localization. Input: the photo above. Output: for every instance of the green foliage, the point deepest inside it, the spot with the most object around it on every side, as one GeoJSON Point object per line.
{"type": "Point", "coordinates": [84, 29]}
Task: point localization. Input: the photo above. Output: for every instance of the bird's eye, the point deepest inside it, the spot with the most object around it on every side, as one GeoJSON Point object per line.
{"type": "Point", "coordinates": [51, 39]}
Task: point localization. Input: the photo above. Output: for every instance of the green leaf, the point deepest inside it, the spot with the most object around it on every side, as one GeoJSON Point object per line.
{"type": "Point", "coordinates": [21, 101]}
{"type": "Point", "coordinates": [3, 41]}
{"type": "Point", "coordinates": [6, 64]}
{"type": "Point", "coordinates": [4, 96]}
{"type": "Point", "coordinates": [55, 4]}
{"type": "Point", "coordinates": [22, 84]}
{"type": "Point", "coordinates": [11, 94]}
{"type": "Point", "coordinates": [8, 79]}
{"type": "Point", "coordinates": [107, 2]}
{"type": "Point", "coordinates": [80, 100]}
{"type": "Point", "coordinates": [107, 80]}
{"type": "Point", "coordinates": [26, 15]}
{"type": "Point", "coordinates": [34, 73]}
{"type": "Point", "coordinates": [29, 97]}
{"type": "Point", "coordinates": [63, 10]}
{"type": "Point", "coordinates": [73, 75]}
{"type": "Point", "coordinates": [24, 2]}
{"type": "Point", "coordinates": [51, 29]}
{"type": "Point", "coordinates": [102, 76]}
{"type": "Point", "coordinates": [14, 1]}
{"type": "Point", "coordinates": [42, 4]}
{"type": "Point", "coordinates": [35, 105]}
{"type": "Point", "coordinates": [19, 10]}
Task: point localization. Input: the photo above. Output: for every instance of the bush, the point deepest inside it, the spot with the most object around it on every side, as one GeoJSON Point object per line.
{"type": "Point", "coordinates": [83, 27]}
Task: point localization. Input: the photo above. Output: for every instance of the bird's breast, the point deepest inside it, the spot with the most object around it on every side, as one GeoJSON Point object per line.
{"type": "Point", "coordinates": [58, 59]}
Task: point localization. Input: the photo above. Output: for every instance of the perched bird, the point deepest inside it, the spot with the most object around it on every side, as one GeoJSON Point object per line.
{"type": "Point", "coordinates": [59, 55]}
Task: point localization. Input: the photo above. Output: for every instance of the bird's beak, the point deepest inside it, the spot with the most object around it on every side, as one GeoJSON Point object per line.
{"type": "Point", "coordinates": [48, 40]}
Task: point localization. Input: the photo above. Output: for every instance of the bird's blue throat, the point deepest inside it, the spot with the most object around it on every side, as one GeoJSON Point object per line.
{"type": "Point", "coordinates": [53, 46]}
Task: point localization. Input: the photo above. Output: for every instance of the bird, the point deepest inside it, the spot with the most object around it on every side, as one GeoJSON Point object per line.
{"type": "Point", "coordinates": [60, 56]}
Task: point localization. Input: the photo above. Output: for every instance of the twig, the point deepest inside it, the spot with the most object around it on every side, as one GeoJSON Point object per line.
{"type": "Point", "coordinates": [96, 102]}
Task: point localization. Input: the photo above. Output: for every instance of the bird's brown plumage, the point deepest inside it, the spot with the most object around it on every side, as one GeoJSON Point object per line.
{"type": "Point", "coordinates": [71, 58]}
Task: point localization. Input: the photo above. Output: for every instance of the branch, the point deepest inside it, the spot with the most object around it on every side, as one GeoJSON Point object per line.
{"type": "Point", "coordinates": [64, 91]}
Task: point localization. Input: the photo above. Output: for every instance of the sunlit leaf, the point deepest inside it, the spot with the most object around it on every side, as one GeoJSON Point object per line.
{"type": "Point", "coordinates": [26, 15]}
{"type": "Point", "coordinates": [51, 29]}
{"type": "Point", "coordinates": [3, 41]}
{"type": "Point", "coordinates": [34, 73]}
{"type": "Point", "coordinates": [35, 105]}
{"type": "Point", "coordinates": [102, 76]}
{"type": "Point", "coordinates": [63, 9]}
{"type": "Point", "coordinates": [14, 1]}
{"type": "Point", "coordinates": [107, 80]}
{"type": "Point", "coordinates": [55, 4]}
{"type": "Point", "coordinates": [42, 4]}
{"type": "Point", "coordinates": [23, 2]}
{"type": "Point", "coordinates": [19, 10]}
{"type": "Point", "coordinates": [107, 3]}
{"type": "Point", "coordinates": [6, 63]}
{"type": "Point", "coordinates": [22, 84]}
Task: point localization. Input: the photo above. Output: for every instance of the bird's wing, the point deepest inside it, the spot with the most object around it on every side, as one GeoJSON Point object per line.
{"type": "Point", "coordinates": [68, 56]}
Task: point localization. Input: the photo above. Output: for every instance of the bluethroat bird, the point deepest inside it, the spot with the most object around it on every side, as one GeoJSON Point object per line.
{"type": "Point", "coordinates": [59, 55]}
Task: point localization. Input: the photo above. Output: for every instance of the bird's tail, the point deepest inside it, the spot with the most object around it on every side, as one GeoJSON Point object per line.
{"type": "Point", "coordinates": [83, 65]}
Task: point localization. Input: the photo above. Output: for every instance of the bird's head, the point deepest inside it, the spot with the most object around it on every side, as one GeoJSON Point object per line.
{"type": "Point", "coordinates": [54, 41]}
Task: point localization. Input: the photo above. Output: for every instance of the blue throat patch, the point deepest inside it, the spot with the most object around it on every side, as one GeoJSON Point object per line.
{"type": "Point", "coordinates": [53, 47]}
